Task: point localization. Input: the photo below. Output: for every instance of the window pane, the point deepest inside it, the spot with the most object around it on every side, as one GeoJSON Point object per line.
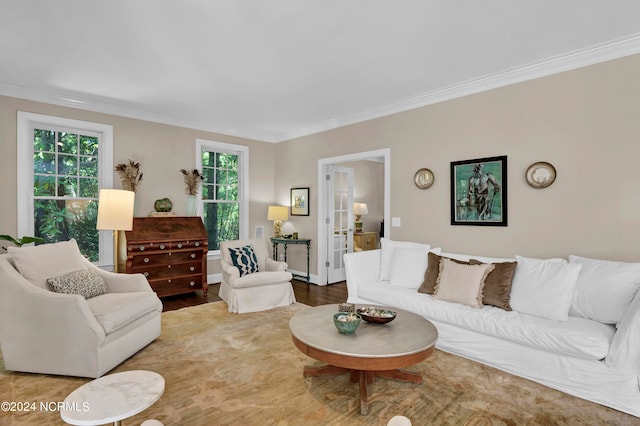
{"type": "Point", "coordinates": [89, 187]}
{"type": "Point", "coordinates": [44, 140]}
{"type": "Point", "coordinates": [67, 143]}
{"type": "Point", "coordinates": [61, 220]}
{"type": "Point", "coordinates": [88, 166]}
{"type": "Point", "coordinates": [222, 222]}
{"type": "Point", "coordinates": [67, 187]}
{"type": "Point", "coordinates": [44, 185]}
{"type": "Point", "coordinates": [208, 192]}
{"type": "Point", "coordinates": [221, 176]}
{"type": "Point", "coordinates": [209, 175]}
{"type": "Point", "coordinates": [44, 163]}
{"type": "Point", "coordinates": [88, 145]}
{"type": "Point", "coordinates": [67, 165]}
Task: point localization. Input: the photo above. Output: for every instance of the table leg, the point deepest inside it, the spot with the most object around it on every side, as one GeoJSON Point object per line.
{"type": "Point", "coordinates": [308, 274]}
{"type": "Point", "coordinates": [364, 403]}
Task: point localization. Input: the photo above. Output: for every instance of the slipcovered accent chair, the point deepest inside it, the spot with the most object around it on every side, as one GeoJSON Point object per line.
{"type": "Point", "coordinates": [251, 280]}
{"type": "Point", "coordinates": [60, 314]}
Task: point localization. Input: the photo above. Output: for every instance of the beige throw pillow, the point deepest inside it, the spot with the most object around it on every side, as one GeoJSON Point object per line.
{"type": "Point", "coordinates": [461, 283]}
{"type": "Point", "coordinates": [428, 285]}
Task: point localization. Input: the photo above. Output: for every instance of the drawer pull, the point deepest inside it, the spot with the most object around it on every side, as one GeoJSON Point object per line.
{"type": "Point", "coordinates": [192, 283]}
{"type": "Point", "coordinates": [193, 255]}
{"type": "Point", "coordinates": [179, 245]}
{"type": "Point", "coordinates": [146, 274]}
{"type": "Point", "coordinates": [192, 269]}
{"type": "Point", "coordinates": [161, 246]}
{"type": "Point", "coordinates": [169, 266]}
{"type": "Point", "coordinates": [197, 244]}
{"type": "Point", "coordinates": [168, 281]}
{"type": "Point", "coordinates": [141, 248]}
{"type": "Point", "coordinates": [146, 260]}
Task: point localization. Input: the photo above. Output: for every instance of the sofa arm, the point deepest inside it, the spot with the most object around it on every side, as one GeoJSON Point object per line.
{"type": "Point", "coordinates": [274, 265]}
{"type": "Point", "coordinates": [361, 267]}
{"type": "Point", "coordinates": [624, 352]}
{"type": "Point", "coordinates": [229, 272]}
{"type": "Point", "coordinates": [124, 283]}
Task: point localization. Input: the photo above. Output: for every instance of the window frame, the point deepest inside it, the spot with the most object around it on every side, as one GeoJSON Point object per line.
{"type": "Point", "coordinates": [26, 122]}
{"type": "Point", "coordinates": [242, 152]}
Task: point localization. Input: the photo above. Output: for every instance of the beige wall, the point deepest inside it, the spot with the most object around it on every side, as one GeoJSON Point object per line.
{"type": "Point", "coordinates": [162, 151]}
{"type": "Point", "coordinates": [585, 122]}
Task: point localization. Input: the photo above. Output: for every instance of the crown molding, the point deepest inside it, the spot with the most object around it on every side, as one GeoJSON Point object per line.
{"type": "Point", "coordinates": [577, 59]}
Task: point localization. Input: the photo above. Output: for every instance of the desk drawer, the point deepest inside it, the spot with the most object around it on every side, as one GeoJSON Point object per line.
{"type": "Point", "coordinates": [169, 286]}
{"type": "Point", "coordinates": [152, 272]}
{"type": "Point", "coordinates": [168, 258]}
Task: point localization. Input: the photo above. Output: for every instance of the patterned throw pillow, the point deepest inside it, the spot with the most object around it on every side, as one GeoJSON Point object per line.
{"type": "Point", "coordinates": [244, 258]}
{"type": "Point", "coordinates": [86, 283]}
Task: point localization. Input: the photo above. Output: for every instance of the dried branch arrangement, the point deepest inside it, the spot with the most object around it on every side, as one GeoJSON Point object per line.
{"type": "Point", "coordinates": [192, 180]}
{"type": "Point", "coordinates": [130, 175]}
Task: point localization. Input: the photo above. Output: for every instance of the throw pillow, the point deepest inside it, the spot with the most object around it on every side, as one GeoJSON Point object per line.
{"type": "Point", "coordinates": [86, 283]}
{"type": "Point", "coordinates": [387, 247]}
{"type": "Point", "coordinates": [408, 266]}
{"type": "Point", "coordinates": [544, 288]}
{"type": "Point", "coordinates": [605, 289]}
{"type": "Point", "coordinates": [244, 258]}
{"type": "Point", "coordinates": [461, 283]}
{"type": "Point", "coordinates": [37, 263]}
{"type": "Point", "coordinates": [497, 286]}
{"type": "Point", "coordinates": [428, 285]}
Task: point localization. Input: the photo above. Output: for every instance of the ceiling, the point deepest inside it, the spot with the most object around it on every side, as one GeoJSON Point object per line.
{"type": "Point", "coordinates": [276, 70]}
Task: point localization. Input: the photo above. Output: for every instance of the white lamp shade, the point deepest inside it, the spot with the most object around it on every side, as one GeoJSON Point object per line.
{"type": "Point", "coordinates": [278, 213]}
{"type": "Point", "coordinates": [115, 209]}
{"type": "Point", "coordinates": [360, 208]}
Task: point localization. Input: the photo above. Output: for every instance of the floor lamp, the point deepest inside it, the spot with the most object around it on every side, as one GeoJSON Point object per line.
{"type": "Point", "coordinates": [115, 213]}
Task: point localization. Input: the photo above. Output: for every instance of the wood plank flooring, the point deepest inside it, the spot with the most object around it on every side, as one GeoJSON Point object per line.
{"type": "Point", "coordinates": [309, 294]}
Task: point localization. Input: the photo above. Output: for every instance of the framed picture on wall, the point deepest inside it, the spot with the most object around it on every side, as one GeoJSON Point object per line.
{"type": "Point", "coordinates": [479, 192]}
{"type": "Point", "coordinates": [300, 201]}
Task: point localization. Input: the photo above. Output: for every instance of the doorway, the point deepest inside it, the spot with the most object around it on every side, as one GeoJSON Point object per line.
{"type": "Point", "coordinates": [330, 254]}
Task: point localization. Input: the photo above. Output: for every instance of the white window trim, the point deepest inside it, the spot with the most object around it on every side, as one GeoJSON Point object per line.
{"type": "Point", "coordinates": [243, 189]}
{"type": "Point", "coordinates": [25, 203]}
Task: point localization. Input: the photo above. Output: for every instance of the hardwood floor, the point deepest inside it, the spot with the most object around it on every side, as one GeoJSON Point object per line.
{"type": "Point", "coordinates": [309, 294]}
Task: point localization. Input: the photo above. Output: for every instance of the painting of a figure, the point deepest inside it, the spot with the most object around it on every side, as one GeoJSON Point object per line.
{"type": "Point", "coordinates": [479, 192]}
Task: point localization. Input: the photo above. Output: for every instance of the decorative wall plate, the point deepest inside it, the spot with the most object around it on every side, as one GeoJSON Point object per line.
{"type": "Point", "coordinates": [540, 174]}
{"type": "Point", "coordinates": [423, 178]}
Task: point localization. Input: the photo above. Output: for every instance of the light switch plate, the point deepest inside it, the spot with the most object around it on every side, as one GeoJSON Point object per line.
{"type": "Point", "coordinates": [395, 222]}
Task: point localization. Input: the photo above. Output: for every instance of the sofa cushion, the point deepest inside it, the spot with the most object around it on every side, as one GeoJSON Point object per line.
{"type": "Point", "coordinates": [115, 310]}
{"type": "Point", "coordinates": [604, 289]}
{"type": "Point", "coordinates": [428, 285]}
{"type": "Point", "coordinates": [86, 283]}
{"type": "Point", "coordinates": [387, 247]}
{"type": "Point", "coordinates": [544, 287]}
{"type": "Point", "coordinates": [262, 278]}
{"type": "Point", "coordinates": [461, 283]}
{"type": "Point", "coordinates": [497, 286]}
{"type": "Point", "coordinates": [244, 258]}
{"type": "Point", "coordinates": [578, 337]}
{"type": "Point", "coordinates": [408, 265]}
{"type": "Point", "coordinates": [37, 263]}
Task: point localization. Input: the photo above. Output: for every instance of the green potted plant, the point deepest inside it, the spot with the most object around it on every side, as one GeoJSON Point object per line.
{"type": "Point", "coordinates": [22, 241]}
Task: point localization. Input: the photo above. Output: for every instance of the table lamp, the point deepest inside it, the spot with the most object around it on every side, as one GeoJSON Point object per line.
{"type": "Point", "coordinates": [115, 213]}
{"type": "Point", "coordinates": [277, 214]}
{"type": "Point", "coordinates": [359, 209]}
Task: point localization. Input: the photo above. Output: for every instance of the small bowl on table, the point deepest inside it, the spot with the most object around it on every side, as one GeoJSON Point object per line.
{"type": "Point", "coordinates": [346, 323]}
{"type": "Point", "coordinates": [376, 315]}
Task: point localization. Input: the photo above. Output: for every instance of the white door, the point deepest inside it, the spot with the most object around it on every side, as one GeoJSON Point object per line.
{"type": "Point", "coordinates": [339, 220]}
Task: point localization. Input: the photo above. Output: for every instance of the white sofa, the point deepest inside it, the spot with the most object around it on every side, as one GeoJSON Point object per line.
{"type": "Point", "coordinates": [574, 324]}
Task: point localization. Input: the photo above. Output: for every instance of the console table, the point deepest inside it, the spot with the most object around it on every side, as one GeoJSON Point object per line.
{"type": "Point", "coordinates": [287, 241]}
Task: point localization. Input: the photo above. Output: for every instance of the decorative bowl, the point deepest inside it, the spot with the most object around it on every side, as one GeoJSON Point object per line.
{"type": "Point", "coordinates": [376, 315]}
{"type": "Point", "coordinates": [346, 323]}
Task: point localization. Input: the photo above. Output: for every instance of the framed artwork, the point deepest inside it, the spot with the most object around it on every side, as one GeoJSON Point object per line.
{"type": "Point", "coordinates": [479, 192]}
{"type": "Point", "coordinates": [300, 201]}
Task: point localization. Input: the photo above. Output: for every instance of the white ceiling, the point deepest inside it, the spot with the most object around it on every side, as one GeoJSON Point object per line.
{"type": "Point", "coordinates": [275, 70]}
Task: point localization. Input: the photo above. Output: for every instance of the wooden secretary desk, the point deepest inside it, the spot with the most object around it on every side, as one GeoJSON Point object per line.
{"type": "Point", "coordinates": [170, 251]}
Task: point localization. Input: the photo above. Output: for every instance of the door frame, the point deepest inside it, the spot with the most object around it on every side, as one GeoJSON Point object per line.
{"type": "Point", "coordinates": [383, 155]}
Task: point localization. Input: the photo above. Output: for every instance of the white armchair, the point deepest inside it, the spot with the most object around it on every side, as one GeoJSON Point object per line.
{"type": "Point", "coordinates": [268, 288]}
{"type": "Point", "coordinates": [42, 331]}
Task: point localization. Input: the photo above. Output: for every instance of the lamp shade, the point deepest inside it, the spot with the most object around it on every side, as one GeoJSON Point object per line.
{"type": "Point", "coordinates": [115, 209]}
{"type": "Point", "coordinates": [360, 208]}
{"type": "Point", "coordinates": [278, 213]}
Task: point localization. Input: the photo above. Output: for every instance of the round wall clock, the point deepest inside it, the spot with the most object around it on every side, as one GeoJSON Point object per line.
{"type": "Point", "coordinates": [540, 174]}
{"type": "Point", "coordinates": [423, 178]}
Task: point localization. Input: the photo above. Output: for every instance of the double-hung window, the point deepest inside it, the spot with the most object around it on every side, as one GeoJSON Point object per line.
{"type": "Point", "coordinates": [62, 164]}
{"type": "Point", "coordinates": [223, 200]}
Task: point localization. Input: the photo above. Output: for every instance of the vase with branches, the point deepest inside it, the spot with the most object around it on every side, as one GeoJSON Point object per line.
{"type": "Point", "coordinates": [130, 175]}
{"type": "Point", "coordinates": [192, 181]}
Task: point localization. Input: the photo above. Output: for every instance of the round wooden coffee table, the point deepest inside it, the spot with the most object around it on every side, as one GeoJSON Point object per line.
{"type": "Point", "coordinates": [374, 350]}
